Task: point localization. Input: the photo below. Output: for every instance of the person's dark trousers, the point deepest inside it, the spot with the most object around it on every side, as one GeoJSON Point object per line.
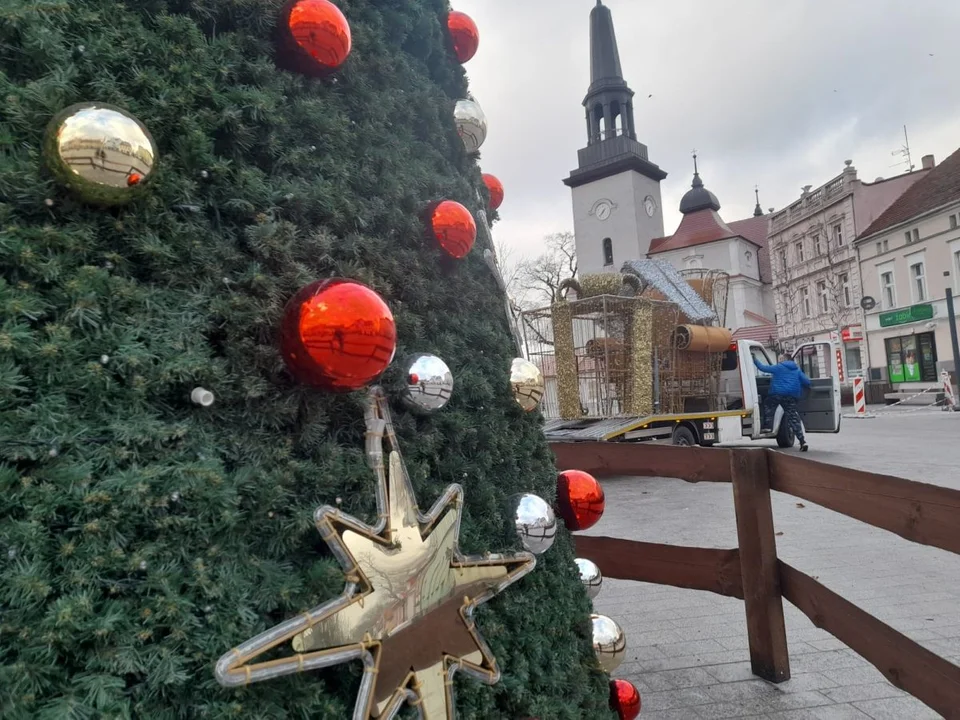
{"type": "Point", "coordinates": [790, 413]}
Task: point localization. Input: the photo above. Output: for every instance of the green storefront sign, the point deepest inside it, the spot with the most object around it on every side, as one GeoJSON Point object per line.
{"type": "Point", "coordinates": [914, 313]}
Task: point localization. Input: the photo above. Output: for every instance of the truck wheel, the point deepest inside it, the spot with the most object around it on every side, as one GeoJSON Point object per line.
{"type": "Point", "coordinates": [785, 436]}
{"type": "Point", "coordinates": [683, 435]}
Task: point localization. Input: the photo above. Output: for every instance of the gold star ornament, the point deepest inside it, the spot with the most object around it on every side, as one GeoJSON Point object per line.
{"type": "Point", "coordinates": [406, 611]}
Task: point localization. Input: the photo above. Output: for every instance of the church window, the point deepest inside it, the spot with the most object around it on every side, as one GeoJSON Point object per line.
{"type": "Point", "coordinates": [607, 251]}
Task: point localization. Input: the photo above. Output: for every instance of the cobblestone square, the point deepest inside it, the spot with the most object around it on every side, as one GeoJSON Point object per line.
{"type": "Point", "coordinates": [687, 650]}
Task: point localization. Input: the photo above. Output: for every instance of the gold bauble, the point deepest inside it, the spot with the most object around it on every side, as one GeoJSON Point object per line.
{"type": "Point", "coordinates": [100, 152]}
{"type": "Point", "coordinates": [609, 642]}
{"type": "Point", "coordinates": [526, 380]}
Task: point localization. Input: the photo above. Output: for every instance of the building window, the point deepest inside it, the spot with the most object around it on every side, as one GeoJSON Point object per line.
{"type": "Point", "coordinates": [817, 244]}
{"type": "Point", "coordinates": [912, 236]}
{"type": "Point", "coordinates": [953, 222]}
{"type": "Point", "coordinates": [886, 245]}
{"type": "Point", "coordinates": [823, 302]}
{"type": "Point", "coordinates": [879, 248]}
{"type": "Point", "coordinates": [843, 280]}
{"type": "Point", "coordinates": [912, 358]}
{"type": "Point", "coordinates": [888, 290]}
{"type": "Point", "coordinates": [838, 234]}
{"type": "Point", "coordinates": [607, 251]}
{"type": "Point", "coordinates": [918, 279]}
{"type": "Point", "coordinates": [805, 302]}
{"type": "Point", "coordinates": [798, 249]}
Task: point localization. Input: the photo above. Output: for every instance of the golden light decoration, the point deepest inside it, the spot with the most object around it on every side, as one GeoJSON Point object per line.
{"type": "Point", "coordinates": [526, 380]}
{"type": "Point", "coordinates": [568, 380]}
{"type": "Point", "coordinates": [100, 152]}
{"type": "Point", "coordinates": [406, 610]}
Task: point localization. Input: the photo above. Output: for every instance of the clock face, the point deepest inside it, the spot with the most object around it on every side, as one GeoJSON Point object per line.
{"type": "Point", "coordinates": [603, 210]}
{"type": "Point", "coordinates": [650, 206]}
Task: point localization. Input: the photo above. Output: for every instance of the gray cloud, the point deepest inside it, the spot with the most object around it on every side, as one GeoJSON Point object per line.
{"type": "Point", "coordinates": [769, 93]}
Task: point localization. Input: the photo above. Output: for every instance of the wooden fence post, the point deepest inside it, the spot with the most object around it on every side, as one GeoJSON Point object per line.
{"type": "Point", "coordinates": [758, 565]}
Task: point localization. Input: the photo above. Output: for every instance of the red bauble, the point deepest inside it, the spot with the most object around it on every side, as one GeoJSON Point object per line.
{"type": "Point", "coordinates": [495, 188]}
{"type": "Point", "coordinates": [464, 34]}
{"type": "Point", "coordinates": [580, 500]}
{"type": "Point", "coordinates": [314, 36]}
{"type": "Point", "coordinates": [452, 226]}
{"type": "Point", "coordinates": [624, 699]}
{"type": "Point", "coordinates": [337, 335]}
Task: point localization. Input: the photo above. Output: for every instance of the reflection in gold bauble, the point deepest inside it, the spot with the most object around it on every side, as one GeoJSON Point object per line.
{"type": "Point", "coordinates": [526, 380]}
{"type": "Point", "coordinates": [100, 152]}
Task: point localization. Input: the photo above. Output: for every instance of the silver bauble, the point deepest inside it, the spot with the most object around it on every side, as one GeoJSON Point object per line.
{"type": "Point", "coordinates": [535, 523]}
{"type": "Point", "coordinates": [526, 380]}
{"type": "Point", "coordinates": [471, 124]}
{"type": "Point", "coordinates": [101, 152]}
{"type": "Point", "coordinates": [590, 576]}
{"type": "Point", "coordinates": [609, 642]}
{"type": "Point", "coordinates": [429, 383]}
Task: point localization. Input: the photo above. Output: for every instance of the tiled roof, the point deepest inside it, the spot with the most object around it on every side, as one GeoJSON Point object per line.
{"type": "Point", "coordinates": [939, 187]}
{"type": "Point", "coordinates": [696, 228]}
{"type": "Point", "coordinates": [757, 333]}
{"type": "Point", "coordinates": [755, 230]}
{"type": "Point", "coordinates": [760, 319]}
{"type": "Point", "coordinates": [706, 226]}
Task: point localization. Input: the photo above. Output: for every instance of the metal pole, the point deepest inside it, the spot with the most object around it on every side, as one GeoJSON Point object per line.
{"type": "Point", "coordinates": [952, 318]}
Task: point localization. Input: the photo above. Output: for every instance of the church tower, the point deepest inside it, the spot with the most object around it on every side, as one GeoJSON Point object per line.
{"type": "Point", "coordinates": [616, 189]}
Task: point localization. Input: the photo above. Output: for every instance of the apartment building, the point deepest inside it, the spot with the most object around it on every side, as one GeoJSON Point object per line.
{"type": "Point", "coordinates": [908, 257]}
{"type": "Point", "coordinates": [816, 273]}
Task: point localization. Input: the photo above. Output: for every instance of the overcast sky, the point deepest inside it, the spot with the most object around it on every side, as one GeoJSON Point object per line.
{"type": "Point", "coordinates": [770, 93]}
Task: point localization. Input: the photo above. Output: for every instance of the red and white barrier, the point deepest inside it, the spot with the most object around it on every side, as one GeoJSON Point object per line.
{"type": "Point", "coordinates": [949, 401]}
{"type": "Point", "coordinates": [860, 400]}
{"type": "Point", "coordinates": [859, 397]}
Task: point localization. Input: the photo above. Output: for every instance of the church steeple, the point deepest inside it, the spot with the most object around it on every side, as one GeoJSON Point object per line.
{"type": "Point", "coordinates": [609, 101]}
{"type": "Point", "coordinates": [757, 211]}
{"type": "Point", "coordinates": [612, 145]}
{"type": "Point", "coordinates": [698, 197]}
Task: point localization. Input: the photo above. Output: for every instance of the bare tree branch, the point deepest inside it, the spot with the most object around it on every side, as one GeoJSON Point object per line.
{"type": "Point", "coordinates": [538, 280]}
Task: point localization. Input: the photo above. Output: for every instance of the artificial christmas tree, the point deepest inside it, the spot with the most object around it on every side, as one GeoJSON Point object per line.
{"type": "Point", "coordinates": [160, 464]}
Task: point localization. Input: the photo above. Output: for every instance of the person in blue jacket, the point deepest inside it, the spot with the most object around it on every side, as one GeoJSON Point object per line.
{"type": "Point", "coordinates": [786, 387]}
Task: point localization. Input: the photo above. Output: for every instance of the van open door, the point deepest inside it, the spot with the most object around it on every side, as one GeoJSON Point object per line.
{"type": "Point", "coordinates": [756, 385]}
{"type": "Point", "coordinates": [820, 407]}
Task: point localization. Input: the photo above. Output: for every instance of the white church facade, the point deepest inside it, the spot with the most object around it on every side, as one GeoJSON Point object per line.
{"type": "Point", "coordinates": [617, 211]}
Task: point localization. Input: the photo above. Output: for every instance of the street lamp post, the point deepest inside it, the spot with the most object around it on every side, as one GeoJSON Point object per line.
{"type": "Point", "coordinates": [952, 318]}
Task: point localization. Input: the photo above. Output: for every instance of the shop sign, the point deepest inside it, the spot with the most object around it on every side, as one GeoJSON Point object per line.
{"type": "Point", "coordinates": [914, 313]}
{"type": "Point", "coordinates": [852, 333]}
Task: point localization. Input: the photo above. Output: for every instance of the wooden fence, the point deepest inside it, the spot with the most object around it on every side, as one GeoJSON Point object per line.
{"type": "Point", "coordinates": [923, 513]}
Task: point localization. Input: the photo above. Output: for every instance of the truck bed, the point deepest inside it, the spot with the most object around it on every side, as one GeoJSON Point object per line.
{"type": "Point", "coordinates": [602, 429]}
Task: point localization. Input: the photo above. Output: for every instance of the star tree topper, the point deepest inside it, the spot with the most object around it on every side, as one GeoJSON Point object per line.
{"type": "Point", "coordinates": [406, 610]}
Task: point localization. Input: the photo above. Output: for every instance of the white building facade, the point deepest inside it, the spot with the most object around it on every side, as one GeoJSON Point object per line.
{"type": "Point", "coordinates": [908, 258]}
{"type": "Point", "coordinates": [815, 270]}
{"type": "Point", "coordinates": [703, 240]}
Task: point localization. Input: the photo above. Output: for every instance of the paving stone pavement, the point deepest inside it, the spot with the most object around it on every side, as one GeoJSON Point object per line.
{"type": "Point", "coordinates": [687, 650]}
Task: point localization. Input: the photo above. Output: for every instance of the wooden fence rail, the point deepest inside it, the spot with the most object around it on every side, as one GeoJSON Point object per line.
{"type": "Point", "coordinates": [923, 513]}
